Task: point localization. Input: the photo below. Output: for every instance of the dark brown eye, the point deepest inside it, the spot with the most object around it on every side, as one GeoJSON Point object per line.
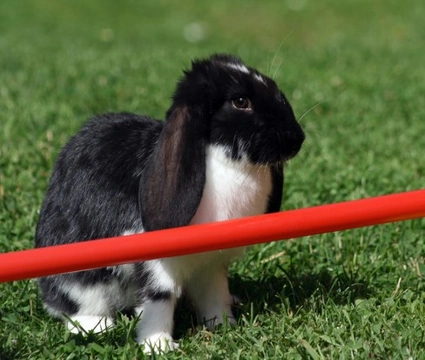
{"type": "Point", "coordinates": [241, 103]}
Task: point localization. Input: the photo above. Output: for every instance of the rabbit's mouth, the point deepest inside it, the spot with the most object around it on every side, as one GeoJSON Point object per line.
{"type": "Point", "coordinates": [293, 146]}
{"type": "Point", "coordinates": [274, 150]}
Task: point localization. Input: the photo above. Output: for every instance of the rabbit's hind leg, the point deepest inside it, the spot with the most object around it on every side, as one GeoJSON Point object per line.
{"type": "Point", "coordinates": [86, 306]}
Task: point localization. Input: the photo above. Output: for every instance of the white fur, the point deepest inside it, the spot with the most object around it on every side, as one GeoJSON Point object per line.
{"type": "Point", "coordinates": [259, 78]}
{"type": "Point", "coordinates": [133, 231]}
{"type": "Point", "coordinates": [85, 323]}
{"type": "Point", "coordinates": [92, 299]}
{"type": "Point", "coordinates": [233, 189]}
{"type": "Point", "coordinates": [238, 67]}
{"type": "Point", "coordinates": [208, 288]}
{"type": "Point", "coordinates": [156, 325]}
{"type": "Point", "coordinates": [245, 70]}
{"type": "Point", "coordinates": [168, 277]}
{"type": "Point", "coordinates": [159, 343]}
{"type": "Point", "coordinates": [97, 304]}
{"type": "Point", "coordinates": [126, 271]}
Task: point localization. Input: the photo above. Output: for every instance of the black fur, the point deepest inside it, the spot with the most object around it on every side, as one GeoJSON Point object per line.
{"type": "Point", "coordinates": [125, 172]}
{"type": "Point", "coordinates": [275, 200]}
{"type": "Point", "coordinates": [171, 187]}
{"type": "Point", "coordinates": [94, 187]}
{"type": "Point", "coordinates": [55, 296]}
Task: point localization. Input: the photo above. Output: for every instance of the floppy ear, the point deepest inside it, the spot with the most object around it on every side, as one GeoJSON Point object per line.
{"type": "Point", "coordinates": [173, 180]}
{"type": "Point", "coordinates": [275, 199]}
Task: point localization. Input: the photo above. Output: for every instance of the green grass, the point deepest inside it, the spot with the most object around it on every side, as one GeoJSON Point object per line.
{"type": "Point", "coordinates": [356, 68]}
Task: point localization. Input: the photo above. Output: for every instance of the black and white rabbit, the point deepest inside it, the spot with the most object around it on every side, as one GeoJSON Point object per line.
{"type": "Point", "coordinates": [219, 155]}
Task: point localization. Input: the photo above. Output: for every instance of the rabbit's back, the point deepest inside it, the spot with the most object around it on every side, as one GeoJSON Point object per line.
{"type": "Point", "coordinates": [94, 185]}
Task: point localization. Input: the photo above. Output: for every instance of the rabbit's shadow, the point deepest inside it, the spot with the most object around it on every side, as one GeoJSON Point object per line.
{"type": "Point", "coordinates": [268, 293]}
{"type": "Point", "coordinates": [290, 291]}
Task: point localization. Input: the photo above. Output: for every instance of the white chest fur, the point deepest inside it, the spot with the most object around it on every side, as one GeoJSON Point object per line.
{"type": "Point", "coordinates": [233, 188]}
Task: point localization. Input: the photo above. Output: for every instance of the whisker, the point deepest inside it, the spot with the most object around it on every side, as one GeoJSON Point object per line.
{"type": "Point", "coordinates": [311, 109]}
{"type": "Point", "coordinates": [267, 66]}
{"type": "Point", "coordinates": [278, 50]}
{"type": "Point", "coordinates": [277, 70]}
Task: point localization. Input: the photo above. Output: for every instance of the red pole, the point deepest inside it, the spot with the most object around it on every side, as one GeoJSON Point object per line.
{"type": "Point", "coordinates": [214, 236]}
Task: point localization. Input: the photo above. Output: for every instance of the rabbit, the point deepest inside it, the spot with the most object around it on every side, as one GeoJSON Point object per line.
{"type": "Point", "coordinates": [219, 155]}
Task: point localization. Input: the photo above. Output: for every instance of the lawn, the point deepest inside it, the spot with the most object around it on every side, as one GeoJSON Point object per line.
{"type": "Point", "coordinates": [353, 71]}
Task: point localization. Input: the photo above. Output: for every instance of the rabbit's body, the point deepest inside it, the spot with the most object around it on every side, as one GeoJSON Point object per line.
{"type": "Point", "coordinates": [124, 174]}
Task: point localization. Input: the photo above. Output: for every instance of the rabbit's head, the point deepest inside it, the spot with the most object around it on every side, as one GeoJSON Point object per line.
{"type": "Point", "coordinates": [218, 102]}
{"type": "Point", "coordinates": [241, 109]}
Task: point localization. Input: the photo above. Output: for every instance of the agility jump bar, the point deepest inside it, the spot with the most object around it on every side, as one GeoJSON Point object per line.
{"type": "Point", "coordinates": [192, 239]}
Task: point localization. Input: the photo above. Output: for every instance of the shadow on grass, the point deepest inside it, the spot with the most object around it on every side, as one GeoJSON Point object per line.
{"type": "Point", "coordinates": [291, 291]}
{"type": "Point", "coordinates": [279, 294]}
{"type": "Point", "coordinates": [295, 289]}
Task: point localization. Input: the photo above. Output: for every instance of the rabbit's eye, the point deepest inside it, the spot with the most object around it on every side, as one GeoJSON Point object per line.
{"type": "Point", "coordinates": [241, 103]}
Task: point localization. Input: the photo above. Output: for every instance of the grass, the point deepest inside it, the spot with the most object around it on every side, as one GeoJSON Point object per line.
{"type": "Point", "coordinates": [354, 68]}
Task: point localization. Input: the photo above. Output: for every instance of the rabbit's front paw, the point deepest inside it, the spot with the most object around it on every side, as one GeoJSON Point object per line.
{"type": "Point", "coordinates": [83, 324]}
{"type": "Point", "coordinates": [158, 343]}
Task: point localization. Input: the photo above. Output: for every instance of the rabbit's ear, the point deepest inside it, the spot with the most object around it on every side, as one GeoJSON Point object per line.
{"type": "Point", "coordinates": [275, 199]}
{"type": "Point", "coordinates": [172, 183]}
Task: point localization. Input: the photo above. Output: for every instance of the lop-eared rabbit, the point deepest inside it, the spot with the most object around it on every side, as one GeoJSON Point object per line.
{"type": "Point", "coordinates": [218, 155]}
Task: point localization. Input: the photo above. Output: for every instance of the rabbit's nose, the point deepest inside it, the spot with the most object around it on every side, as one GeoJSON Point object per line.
{"type": "Point", "coordinates": [293, 142]}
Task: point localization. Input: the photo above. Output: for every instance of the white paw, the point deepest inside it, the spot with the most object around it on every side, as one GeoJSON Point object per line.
{"type": "Point", "coordinates": [236, 301]}
{"type": "Point", "coordinates": [82, 324]}
{"type": "Point", "coordinates": [158, 343]}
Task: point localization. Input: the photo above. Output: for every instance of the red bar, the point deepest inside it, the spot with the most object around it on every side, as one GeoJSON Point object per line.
{"type": "Point", "coordinates": [207, 237]}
